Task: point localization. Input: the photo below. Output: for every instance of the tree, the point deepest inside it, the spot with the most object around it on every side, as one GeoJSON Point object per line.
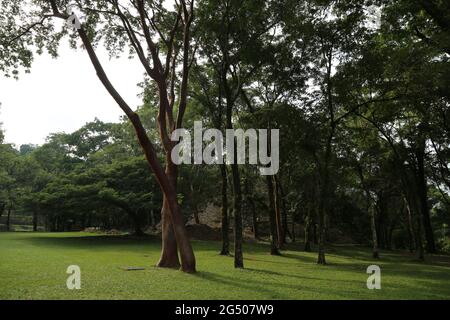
{"type": "Point", "coordinates": [118, 24]}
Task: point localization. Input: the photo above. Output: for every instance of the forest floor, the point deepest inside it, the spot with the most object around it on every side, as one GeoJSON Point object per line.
{"type": "Point", "coordinates": [33, 266]}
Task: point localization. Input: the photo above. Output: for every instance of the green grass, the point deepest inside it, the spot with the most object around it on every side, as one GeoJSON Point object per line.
{"type": "Point", "coordinates": [33, 266]}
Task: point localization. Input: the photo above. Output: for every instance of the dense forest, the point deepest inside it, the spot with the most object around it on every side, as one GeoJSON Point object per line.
{"type": "Point", "coordinates": [359, 89]}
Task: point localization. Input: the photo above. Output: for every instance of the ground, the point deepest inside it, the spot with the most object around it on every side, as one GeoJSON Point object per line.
{"type": "Point", "coordinates": [33, 266]}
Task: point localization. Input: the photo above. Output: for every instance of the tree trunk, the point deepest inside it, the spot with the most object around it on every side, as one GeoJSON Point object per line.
{"type": "Point", "coordinates": [225, 222]}
{"type": "Point", "coordinates": [307, 231]}
{"type": "Point", "coordinates": [410, 226]}
{"type": "Point", "coordinates": [8, 217]}
{"type": "Point", "coordinates": [284, 214]}
{"type": "Point", "coordinates": [419, 245]}
{"type": "Point", "coordinates": [196, 217]}
{"type": "Point", "coordinates": [35, 220]}
{"type": "Point", "coordinates": [375, 252]}
{"type": "Point", "coordinates": [293, 228]}
{"type": "Point", "coordinates": [254, 219]}
{"type": "Point", "coordinates": [272, 220]}
{"type": "Point", "coordinates": [280, 231]}
{"type": "Point", "coordinates": [237, 206]}
{"type": "Point", "coordinates": [423, 199]}
{"type": "Point", "coordinates": [169, 251]}
{"type": "Point", "coordinates": [2, 208]}
{"type": "Point", "coordinates": [152, 219]}
{"type": "Point", "coordinates": [194, 206]}
{"type": "Point", "coordinates": [137, 225]}
{"type": "Point", "coordinates": [172, 212]}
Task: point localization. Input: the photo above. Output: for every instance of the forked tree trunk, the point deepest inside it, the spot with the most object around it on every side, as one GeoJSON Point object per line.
{"type": "Point", "coordinates": [225, 221]}
{"type": "Point", "coordinates": [169, 251]}
{"type": "Point", "coordinates": [172, 214]}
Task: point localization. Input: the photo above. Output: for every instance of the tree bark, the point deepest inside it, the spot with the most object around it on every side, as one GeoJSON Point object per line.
{"type": "Point", "coordinates": [307, 247]}
{"type": "Point", "coordinates": [8, 217]}
{"type": "Point", "coordinates": [237, 206]}
{"type": "Point", "coordinates": [423, 199]}
{"type": "Point", "coordinates": [375, 252]}
{"type": "Point", "coordinates": [410, 226]}
{"type": "Point", "coordinates": [225, 222]}
{"type": "Point", "coordinates": [169, 250]}
{"type": "Point", "coordinates": [274, 250]}
{"type": "Point", "coordinates": [278, 220]}
{"type": "Point", "coordinates": [254, 219]}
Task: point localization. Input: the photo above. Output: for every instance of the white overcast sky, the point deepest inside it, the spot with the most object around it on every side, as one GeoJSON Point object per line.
{"type": "Point", "coordinates": [63, 94]}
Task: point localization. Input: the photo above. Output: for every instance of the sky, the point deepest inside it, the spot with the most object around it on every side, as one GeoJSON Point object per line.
{"type": "Point", "coordinates": [61, 95]}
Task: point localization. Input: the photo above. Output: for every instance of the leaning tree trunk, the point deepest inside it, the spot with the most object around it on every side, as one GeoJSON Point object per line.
{"type": "Point", "coordinates": [225, 222]}
{"type": "Point", "coordinates": [273, 228]}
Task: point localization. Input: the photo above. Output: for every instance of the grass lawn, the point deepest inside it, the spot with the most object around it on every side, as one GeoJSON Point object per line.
{"type": "Point", "coordinates": [33, 266]}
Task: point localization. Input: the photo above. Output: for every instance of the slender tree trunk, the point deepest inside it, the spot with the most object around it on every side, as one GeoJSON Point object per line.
{"type": "Point", "coordinates": [284, 214]}
{"type": "Point", "coordinates": [237, 194]}
{"type": "Point", "coordinates": [35, 220]}
{"type": "Point", "coordinates": [278, 221]}
{"type": "Point", "coordinates": [272, 220]}
{"type": "Point", "coordinates": [323, 201]}
{"type": "Point", "coordinates": [307, 231]}
{"type": "Point", "coordinates": [194, 206]}
{"type": "Point", "coordinates": [8, 217]}
{"type": "Point", "coordinates": [136, 224]}
{"type": "Point", "coordinates": [251, 203]}
{"type": "Point", "coordinates": [375, 252]}
{"type": "Point", "coordinates": [196, 217]}
{"type": "Point", "coordinates": [152, 219]}
{"type": "Point", "coordinates": [2, 208]}
{"type": "Point", "coordinates": [315, 237]}
{"type": "Point", "coordinates": [237, 208]}
{"type": "Point", "coordinates": [225, 222]}
{"type": "Point", "coordinates": [410, 226]}
{"type": "Point", "coordinates": [423, 199]}
{"type": "Point", "coordinates": [293, 228]}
